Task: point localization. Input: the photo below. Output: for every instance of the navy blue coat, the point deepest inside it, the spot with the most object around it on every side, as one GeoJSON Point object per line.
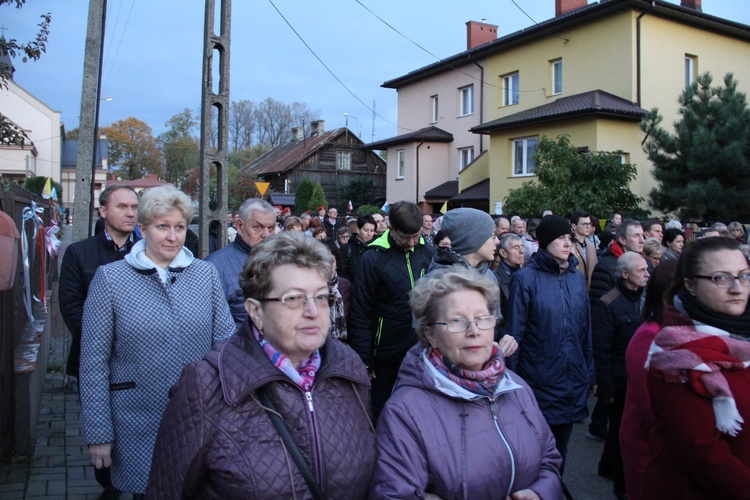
{"type": "Point", "coordinates": [229, 261]}
{"type": "Point", "coordinates": [549, 317]}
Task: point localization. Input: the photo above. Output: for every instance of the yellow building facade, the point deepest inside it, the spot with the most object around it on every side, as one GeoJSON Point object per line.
{"type": "Point", "coordinates": [602, 63]}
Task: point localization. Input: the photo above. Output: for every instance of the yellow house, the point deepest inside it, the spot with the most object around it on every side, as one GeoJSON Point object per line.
{"type": "Point", "coordinates": [591, 72]}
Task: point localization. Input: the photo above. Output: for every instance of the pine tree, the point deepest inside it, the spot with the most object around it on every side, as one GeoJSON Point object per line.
{"type": "Point", "coordinates": [317, 199]}
{"type": "Point", "coordinates": [703, 169]}
{"type": "Point", "coordinates": [302, 196]}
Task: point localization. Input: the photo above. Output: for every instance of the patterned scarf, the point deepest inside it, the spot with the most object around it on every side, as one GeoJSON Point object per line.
{"type": "Point", "coordinates": [338, 316]}
{"type": "Point", "coordinates": [483, 382]}
{"type": "Point", "coordinates": [304, 376]}
{"type": "Point", "coordinates": [696, 355]}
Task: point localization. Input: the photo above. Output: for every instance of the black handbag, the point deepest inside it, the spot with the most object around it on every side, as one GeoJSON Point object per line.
{"type": "Point", "coordinates": [291, 446]}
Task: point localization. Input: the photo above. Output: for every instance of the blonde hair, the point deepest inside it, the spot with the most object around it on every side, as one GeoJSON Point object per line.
{"type": "Point", "coordinates": [161, 200]}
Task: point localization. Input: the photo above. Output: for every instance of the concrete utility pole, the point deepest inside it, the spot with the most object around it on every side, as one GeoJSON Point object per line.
{"type": "Point", "coordinates": [218, 103]}
{"type": "Point", "coordinates": [89, 120]}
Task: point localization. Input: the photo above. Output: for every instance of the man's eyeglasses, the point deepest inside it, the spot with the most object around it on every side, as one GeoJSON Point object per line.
{"type": "Point", "coordinates": [406, 238]}
{"type": "Point", "coordinates": [299, 300]}
{"type": "Point", "coordinates": [459, 325]}
{"type": "Point", "coordinates": [726, 280]}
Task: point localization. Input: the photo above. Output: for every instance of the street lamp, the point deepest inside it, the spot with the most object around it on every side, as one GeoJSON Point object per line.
{"type": "Point", "coordinates": [347, 115]}
{"type": "Point", "coordinates": [106, 99]}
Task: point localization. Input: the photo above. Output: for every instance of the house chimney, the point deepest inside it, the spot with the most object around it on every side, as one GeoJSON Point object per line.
{"type": "Point", "coordinates": [565, 6]}
{"type": "Point", "coordinates": [479, 33]}
{"type": "Point", "coordinates": [317, 127]}
{"type": "Point", "coordinates": [692, 4]}
{"type": "Point", "coordinates": [297, 133]}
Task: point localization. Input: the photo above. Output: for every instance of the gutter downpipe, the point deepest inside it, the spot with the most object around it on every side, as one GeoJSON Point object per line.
{"type": "Point", "coordinates": [638, 52]}
{"type": "Point", "coordinates": [417, 160]}
{"type": "Point", "coordinates": [481, 105]}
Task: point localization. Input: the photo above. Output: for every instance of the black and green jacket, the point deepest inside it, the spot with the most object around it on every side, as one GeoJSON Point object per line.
{"type": "Point", "coordinates": [380, 325]}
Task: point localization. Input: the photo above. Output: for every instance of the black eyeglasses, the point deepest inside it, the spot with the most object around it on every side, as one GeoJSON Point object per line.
{"type": "Point", "coordinates": [299, 300]}
{"type": "Point", "coordinates": [459, 325]}
{"type": "Point", "coordinates": [726, 280]}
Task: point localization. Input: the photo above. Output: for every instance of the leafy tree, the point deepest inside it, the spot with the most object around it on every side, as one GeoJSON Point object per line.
{"type": "Point", "coordinates": [703, 169]}
{"type": "Point", "coordinates": [359, 191]}
{"type": "Point", "coordinates": [367, 210]}
{"type": "Point", "coordinates": [245, 156]}
{"type": "Point", "coordinates": [317, 199]}
{"type": "Point", "coordinates": [72, 134]}
{"type": "Point", "coordinates": [179, 147]}
{"type": "Point", "coordinates": [302, 195]}
{"type": "Point", "coordinates": [241, 187]}
{"type": "Point", "coordinates": [31, 50]}
{"type": "Point", "coordinates": [132, 149]}
{"type": "Point", "coordinates": [568, 180]}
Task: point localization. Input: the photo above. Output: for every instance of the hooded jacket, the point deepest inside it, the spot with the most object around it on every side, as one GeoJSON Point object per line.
{"type": "Point", "coordinates": [549, 317]}
{"type": "Point", "coordinates": [433, 436]}
{"type": "Point", "coordinates": [216, 440]}
{"type": "Point", "coordinates": [381, 321]}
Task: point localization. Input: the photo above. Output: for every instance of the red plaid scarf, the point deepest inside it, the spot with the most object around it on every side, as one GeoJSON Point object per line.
{"type": "Point", "coordinates": [696, 355]}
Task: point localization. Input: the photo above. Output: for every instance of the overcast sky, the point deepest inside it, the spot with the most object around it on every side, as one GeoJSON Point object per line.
{"type": "Point", "coordinates": [153, 49]}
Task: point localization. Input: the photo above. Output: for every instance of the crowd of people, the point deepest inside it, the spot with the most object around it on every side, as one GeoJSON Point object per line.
{"type": "Point", "coordinates": [403, 355]}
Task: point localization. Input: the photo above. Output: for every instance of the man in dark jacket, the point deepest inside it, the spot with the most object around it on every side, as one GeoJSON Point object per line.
{"type": "Point", "coordinates": [550, 318]}
{"type": "Point", "coordinates": [380, 328]}
{"type": "Point", "coordinates": [510, 250]}
{"type": "Point", "coordinates": [118, 207]}
{"type": "Point", "coordinates": [629, 238]}
{"type": "Point", "coordinates": [615, 318]}
{"type": "Point", "coordinates": [332, 224]}
{"type": "Point", "coordinates": [257, 221]}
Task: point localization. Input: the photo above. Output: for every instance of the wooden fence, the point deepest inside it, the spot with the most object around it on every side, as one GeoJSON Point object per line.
{"type": "Point", "coordinates": [13, 316]}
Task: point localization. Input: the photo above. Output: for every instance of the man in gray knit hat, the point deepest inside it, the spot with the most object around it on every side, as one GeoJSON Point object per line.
{"type": "Point", "coordinates": [473, 242]}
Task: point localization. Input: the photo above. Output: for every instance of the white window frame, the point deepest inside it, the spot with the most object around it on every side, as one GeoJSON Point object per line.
{"type": "Point", "coordinates": [557, 76]}
{"type": "Point", "coordinates": [343, 160]}
{"type": "Point", "coordinates": [689, 69]}
{"type": "Point", "coordinates": [528, 168]}
{"type": "Point", "coordinates": [434, 109]}
{"type": "Point", "coordinates": [511, 84]}
{"type": "Point", "coordinates": [466, 100]}
{"type": "Point", "coordinates": [400, 160]}
{"type": "Point", "coordinates": [465, 157]}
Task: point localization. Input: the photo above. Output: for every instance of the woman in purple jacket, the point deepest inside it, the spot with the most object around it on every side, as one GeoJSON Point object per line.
{"type": "Point", "coordinates": [459, 424]}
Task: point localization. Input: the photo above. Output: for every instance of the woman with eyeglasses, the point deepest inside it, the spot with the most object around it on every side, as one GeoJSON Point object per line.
{"type": "Point", "coordinates": [698, 379]}
{"type": "Point", "coordinates": [459, 424]}
{"type": "Point", "coordinates": [220, 436]}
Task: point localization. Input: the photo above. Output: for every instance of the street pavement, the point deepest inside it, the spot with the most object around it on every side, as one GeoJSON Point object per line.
{"type": "Point", "coordinates": [59, 468]}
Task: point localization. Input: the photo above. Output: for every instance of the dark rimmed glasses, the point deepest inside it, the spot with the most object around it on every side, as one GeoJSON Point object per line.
{"type": "Point", "coordinates": [726, 280]}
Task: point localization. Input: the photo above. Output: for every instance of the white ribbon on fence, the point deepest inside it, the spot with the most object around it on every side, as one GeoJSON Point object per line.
{"type": "Point", "coordinates": [29, 214]}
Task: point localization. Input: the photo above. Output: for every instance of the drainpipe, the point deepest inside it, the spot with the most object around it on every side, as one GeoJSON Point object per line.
{"type": "Point", "coordinates": [481, 105]}
{"type": "Point", "coordinates": [638, 52]}
{"type": "Point", "coordinates": [417, 159]}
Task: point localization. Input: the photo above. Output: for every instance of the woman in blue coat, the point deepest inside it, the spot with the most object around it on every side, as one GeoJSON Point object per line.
{"type": "Point", "coordinates": [549, 316]}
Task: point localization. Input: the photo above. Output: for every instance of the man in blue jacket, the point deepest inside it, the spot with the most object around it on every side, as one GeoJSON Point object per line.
{"type": "Point", "coordinates": [257, 221]}
{"type": "Point", "coordinates": [549, 317]}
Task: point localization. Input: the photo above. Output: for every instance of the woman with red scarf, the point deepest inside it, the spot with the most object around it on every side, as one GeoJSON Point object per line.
{"type": "Point", "coordinates": [698, 380]}
{"type": "Point", "coordinates": [459, 424]}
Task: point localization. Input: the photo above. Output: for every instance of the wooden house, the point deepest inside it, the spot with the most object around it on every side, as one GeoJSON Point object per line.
{"type": "Point", "coordinates": [331, 159]}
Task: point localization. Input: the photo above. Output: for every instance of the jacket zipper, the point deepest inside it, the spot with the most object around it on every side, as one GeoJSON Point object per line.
{"type": "Point", "coordinates": [378, 333]}
{"type": "Point", "coordinates": [507, 446]}
{"type": "Point", "coordinates": [316, 438]}
{"type": "Point", "coordinates": [408, 267]}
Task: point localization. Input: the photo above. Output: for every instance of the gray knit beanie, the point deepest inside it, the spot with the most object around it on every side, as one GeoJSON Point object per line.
{"type": "Point", "coordinates": [468, 229]}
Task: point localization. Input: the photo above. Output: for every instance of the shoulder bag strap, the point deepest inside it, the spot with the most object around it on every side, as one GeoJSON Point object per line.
{"type": "Point", "coordinates": [291, 446]}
